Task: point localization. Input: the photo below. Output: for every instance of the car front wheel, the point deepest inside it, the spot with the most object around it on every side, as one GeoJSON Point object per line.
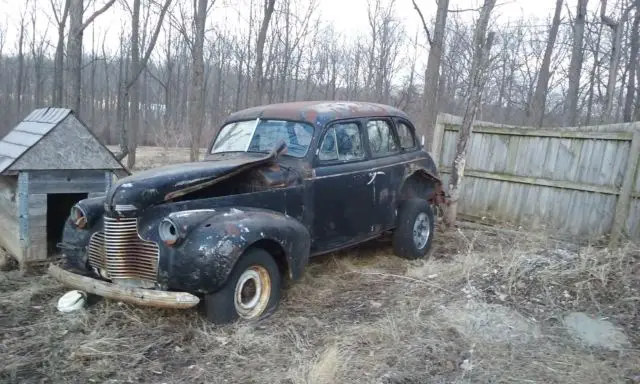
{"type": "Point", "coordinates": [414, 229]}
{"type": "Point", "coordinates": [252, 291]}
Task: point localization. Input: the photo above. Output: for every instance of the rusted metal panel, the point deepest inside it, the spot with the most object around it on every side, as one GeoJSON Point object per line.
{"type": "Point", "coordinates": [317, 112]}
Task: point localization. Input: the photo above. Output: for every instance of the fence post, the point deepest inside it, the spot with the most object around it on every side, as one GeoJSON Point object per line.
{"type": "Point", "coordinates": [624, 199]}
{"type": "Point", "coordinates": [436, 144]}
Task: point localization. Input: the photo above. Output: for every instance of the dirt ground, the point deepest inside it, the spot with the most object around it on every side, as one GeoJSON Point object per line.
{"type": "Point", "coordinates": [489, 305]}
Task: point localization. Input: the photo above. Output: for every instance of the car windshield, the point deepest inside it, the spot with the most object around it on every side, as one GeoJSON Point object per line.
{"type": "Point", "coordinates": [263, 135]}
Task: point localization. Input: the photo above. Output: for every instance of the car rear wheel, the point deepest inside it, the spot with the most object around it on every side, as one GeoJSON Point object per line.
{"type": "Point", "coordinates": [251, 293]}
{"type": "Point", "coordinates": [414, 229]}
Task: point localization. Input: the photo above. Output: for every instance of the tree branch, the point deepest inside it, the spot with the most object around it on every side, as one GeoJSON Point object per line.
{"type": "Point", "coordinates": [424, 24]}
{"type": "Point", "coordinates": [152, 44]}
{"type": "Point", "coordinates": [96, 14]}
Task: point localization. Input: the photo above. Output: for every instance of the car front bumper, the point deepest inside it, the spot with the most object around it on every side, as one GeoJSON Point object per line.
{"type": "Point", "coordinates": [139, 296]}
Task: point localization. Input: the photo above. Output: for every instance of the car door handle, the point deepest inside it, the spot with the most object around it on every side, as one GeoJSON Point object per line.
{"type": "Point", "coordinates": [373, 176]}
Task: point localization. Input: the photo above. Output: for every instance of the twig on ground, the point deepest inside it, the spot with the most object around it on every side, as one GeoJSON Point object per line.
{"type": "Point", "coordinates": [403, 278]}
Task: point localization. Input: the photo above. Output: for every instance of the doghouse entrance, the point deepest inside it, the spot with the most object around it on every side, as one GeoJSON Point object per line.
{"type": "Point", "coordinates": [58, 208]}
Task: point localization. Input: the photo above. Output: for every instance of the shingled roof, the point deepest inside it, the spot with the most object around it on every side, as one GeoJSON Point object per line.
{"type": "Point", "coordinates": [53, 138]}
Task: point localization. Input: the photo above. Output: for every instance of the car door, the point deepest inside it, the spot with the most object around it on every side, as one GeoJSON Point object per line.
{"type": "Point", "coordinates": [387, 169]}
{"type": "Point", "coordinates": [341, 188]}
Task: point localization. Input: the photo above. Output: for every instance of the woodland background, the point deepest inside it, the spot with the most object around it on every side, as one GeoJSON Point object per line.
{"type": "Point", "coordinates": [167, 74]}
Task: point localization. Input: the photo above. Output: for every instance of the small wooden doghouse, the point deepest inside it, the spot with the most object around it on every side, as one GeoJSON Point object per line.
{"type": "Point", "coordinates": [48, 162]}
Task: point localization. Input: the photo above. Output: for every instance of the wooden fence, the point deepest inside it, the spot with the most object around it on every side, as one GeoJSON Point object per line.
{"type": "Point", "coordinates": [575, 180]}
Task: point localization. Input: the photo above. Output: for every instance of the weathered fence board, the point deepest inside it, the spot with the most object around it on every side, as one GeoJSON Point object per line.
{"type": "Point", "coordinates": [565, 179]}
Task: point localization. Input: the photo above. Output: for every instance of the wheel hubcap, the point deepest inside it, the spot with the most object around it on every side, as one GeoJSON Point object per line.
{"type": "Point", "coordinates": [421, 230]}
{"type": "Point", "coordinates": [252, 292]}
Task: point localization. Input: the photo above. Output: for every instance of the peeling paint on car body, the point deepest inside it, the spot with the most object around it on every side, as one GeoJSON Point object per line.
{"type": "Point", "coordinates": [229, 202]}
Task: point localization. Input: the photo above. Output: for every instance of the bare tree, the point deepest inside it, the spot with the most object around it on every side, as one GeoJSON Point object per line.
{"type": "Point", "coordinates": [129, 88]}
{"type": "Point", "coordinates": [20, 79]}
{"type": "Point", "coordinates": [536, 113]}
{"type": "Point", "coordinates": [268, 7]}
{"type": "Point", "coordinates": [38, 57]}
{"type": "Point", "coordinates": [58, 68]}
{"type": "Point", "coordinates": [632, 67]}
{"type": "Point", "coordinates": [196, 96]}
{"type": "Point", "coordinates": [481, 48]}
{"type": "Point", "coordinates": [74, 47]}
{"type": "Point", "coordinates": [617, 28]}
{"type": "Point", "coordinates": [432, 73]}
{"type": "Point", "coordinates": [575, 66]}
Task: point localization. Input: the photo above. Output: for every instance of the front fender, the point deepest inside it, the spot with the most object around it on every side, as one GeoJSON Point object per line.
{"type": "Point", "coordinates": [205, 257]}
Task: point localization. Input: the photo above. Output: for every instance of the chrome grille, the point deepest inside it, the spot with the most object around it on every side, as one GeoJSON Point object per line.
{"type": "Point", "coordinates": [122, 253]}
{"type": "Point", "coordinates": [96, 250]}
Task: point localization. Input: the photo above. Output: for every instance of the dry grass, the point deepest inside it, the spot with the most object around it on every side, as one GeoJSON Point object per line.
{"type": "Point", "coordinates": [477, 311]}
{"type": "Point", "coordinates": [486, 307]}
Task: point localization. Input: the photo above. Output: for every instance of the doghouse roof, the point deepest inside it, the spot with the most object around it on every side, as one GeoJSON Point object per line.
{"type": "Point", "coordinates": [54, 139]}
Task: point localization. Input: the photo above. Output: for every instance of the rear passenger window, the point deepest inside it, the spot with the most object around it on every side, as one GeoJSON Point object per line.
{"type": "Point", "coordinates": [381, 138]}
{"type": "Point", "coordinates": [342, 142]}
{"type": "Point", "coordinates": [407, 140]}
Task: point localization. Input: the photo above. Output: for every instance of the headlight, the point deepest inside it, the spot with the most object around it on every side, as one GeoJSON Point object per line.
{"type": "Point", "coordinates": [78, 217]}
{"type": "Point", "coordinates": [168, 231]}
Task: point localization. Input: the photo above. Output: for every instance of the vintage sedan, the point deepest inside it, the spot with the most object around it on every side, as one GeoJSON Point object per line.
{"type": "Point", "coordinates": [279, 184]}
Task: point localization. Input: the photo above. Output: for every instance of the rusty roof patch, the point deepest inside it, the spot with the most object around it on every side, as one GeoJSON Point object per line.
{"type": "Point", "coordinates": [317, 112]}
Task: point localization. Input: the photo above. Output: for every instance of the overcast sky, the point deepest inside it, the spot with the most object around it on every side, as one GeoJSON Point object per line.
{"type": "Point", "coordinates": [348, 16]}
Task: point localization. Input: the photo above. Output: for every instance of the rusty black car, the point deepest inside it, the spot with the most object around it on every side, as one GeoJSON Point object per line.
{"type": "Point", "coordinates": [279, 184]}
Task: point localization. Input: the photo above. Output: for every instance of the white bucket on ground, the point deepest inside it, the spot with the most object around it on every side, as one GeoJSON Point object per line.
{"type": "Point", "coordinates": [72, 301]}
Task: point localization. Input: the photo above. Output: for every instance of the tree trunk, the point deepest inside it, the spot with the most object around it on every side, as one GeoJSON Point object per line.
{"type": "Point", "coordinates": [536, 116]}
{"type": "Point", "coordinates": [575, 65]}
{"type": "Point", "coordinates": [617, 29]}
{"type": "Point", "coordinates": [432, 73]}
{"type": "Point", "coordinates": [481, 48]}
{"type": "Point", "coordinates": [592, 76]}
{"type": "Point", "coordinates": [637, 107]}
{"type": "Point", "coordinates": [130, 91]}
{"type": "Point", "coordinates": [19, 80]}
{"type": "Point", "coordinates": [262, 36]}
{"type": "Point", "coordinates": [122, 100]}
{"type": "Point", "coordinates": [74, 54]}
{"type": "Point", "coordinates": [633, 67]}
{"type": "Point", "coordinates": [74, 49]}
{"type": "Point", "coordinates": [134, 90]}
{"type": "Point", "coordinates": [58, 66]}
{"type": "Point", "coordinates": [196, 95]}
{"type": "Point", "coordinates": [92, 80]}
{"type": "Point", "coordinates": [107, 111]}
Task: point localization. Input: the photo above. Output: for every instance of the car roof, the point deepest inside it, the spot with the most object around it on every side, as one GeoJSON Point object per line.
{"type": "Point", "coordinates": [317, 112]}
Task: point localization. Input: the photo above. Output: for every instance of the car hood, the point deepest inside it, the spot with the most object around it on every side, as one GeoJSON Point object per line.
{"type": "Point", "coordinates": [154, 186]}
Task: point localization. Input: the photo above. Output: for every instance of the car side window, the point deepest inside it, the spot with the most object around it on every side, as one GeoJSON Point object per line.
{"type": "Point", "coordinates": [407, 140]}
{"type": "Point", "coordinates": [342, 142]}
{"type": "Point", "coordinates": [381, 138]}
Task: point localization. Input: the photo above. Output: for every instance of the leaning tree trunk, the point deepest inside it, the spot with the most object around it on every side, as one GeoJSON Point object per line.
{"type": "Point", "coordinates": [481, 49]}
{"type": "Point", "coordinates": [432, 73]}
